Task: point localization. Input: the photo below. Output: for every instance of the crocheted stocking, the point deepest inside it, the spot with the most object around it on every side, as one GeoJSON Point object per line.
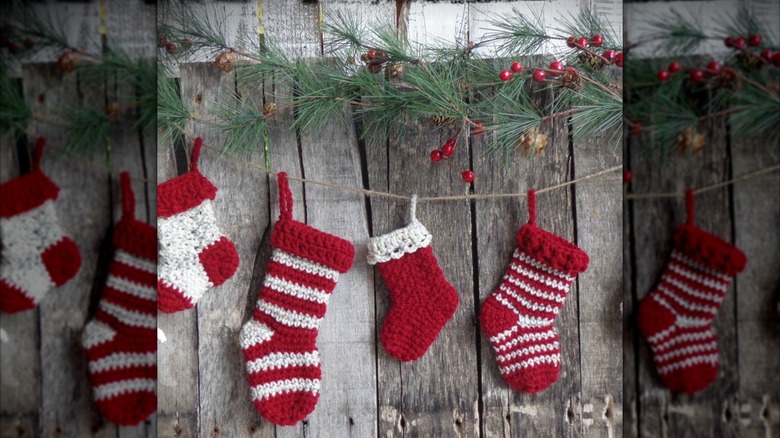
{"type": "Point", "coordinates": [421, 299]}
{"type": "Point", "coordinates": [120, 342]}
{"type": "Point", "coordinates": [676, 317]}
{"type": "Point", "coordinates": [36, 255]}
{"type": "Point", "coordinates": [279, 341]}
{"type": "Point", "coordinates": [518, 317]}
{"type": "Point", "coordinates": [194, 255]}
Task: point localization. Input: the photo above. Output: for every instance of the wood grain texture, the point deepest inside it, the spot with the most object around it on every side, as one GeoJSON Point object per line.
{"type": "Point", "coordinates": [294, 25]}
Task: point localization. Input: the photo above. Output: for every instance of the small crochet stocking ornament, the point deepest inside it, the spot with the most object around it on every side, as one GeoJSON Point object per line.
{"type": "Point", "coordinates": [194, 255]}
{"type": "Point", "coordinates": [121, 341]}
{"type": "Point", "coordinates": [518, 317]}
{"type": "Point", "coordinates": [279, 340]}
{"type": "Point", "coordinates": [421, 299]}
{"type": "Point", "coordinates": [36, 255]}
{"type": "Point", "coordinates": [676, 317]}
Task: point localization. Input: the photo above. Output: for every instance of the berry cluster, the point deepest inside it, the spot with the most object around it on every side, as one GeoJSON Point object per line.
{"type": "Point", "coordinates": [448, 149]}
{"type": "Point", "coordinates": [10, 41]}
{"type": "Point", "coordinates": [740, 43]}
{"type": "Point", "coordinates": [539, 74]}
{"type": "Point", "coordinates": [374, 60]}
{"type": "Point", "coordinates": [608, 57]}
{"type": "Point", "coordinates": [170, 46]}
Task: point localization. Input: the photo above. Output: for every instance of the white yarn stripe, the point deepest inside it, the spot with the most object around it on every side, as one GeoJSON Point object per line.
{"type": "Point", "coordinates": [254, 332]}
{"type": "Point", "coordinates": [708, 282]}
{"type": "Point", "coordinates": [682, 321]}
{"type": "Point", "coordinates": [716, 298]}
{"type": "Point", "coordinates": [527, 304]}
{"type": "Point", "coordinates": [539, 278]}
{"type": "Point", "coordinates": [526, 338]}
{"type": "Point", "coordinates": [529, 350]}
{"type": "Point", "coordinates": [698, 266]}
{"type": "Point", "coordinates": [687, 305]}
{"type": "Point", "coordinates": [289, 318]}
{"type": "Point", "coordinates": [682, 337]}
{"type": "Point", "coordinates": [301, 264]}
{"type": "Point", "coordinates": [696, 348]}
{"type": "Point", "coordinates": [295, 290]}
{"type": "Point", "coordinates": [689, 362]}
{"type": "Point", "coordinates": [134, 289]}
{"type": "Point", "coordinates": [123, 360]}
{"type": "Point", "coordinates": [505, 334]}
{"type": "Point", "coordinates": [139, 263]}
{"type": "Point", "coordinates": [662, 334]}
{"type": "Point", "coordinates": [541, 266]}
{"type": "Point", "coordinates": [528, 363]}
{"type": "Point", "coordinates": [525, 321]}
{"type": "Point", "coordinates": [129, 317]}
{"type": "Point", "coordinates": [114, 389]}
{"type": "Point", "coordinates": [541, 294]}
{"type": "Point", "coordinates": [96, 333]}
{"type": "Point", "coordinates": [268, 390]}
{"type": "Point", "coordinates": [283, 360]}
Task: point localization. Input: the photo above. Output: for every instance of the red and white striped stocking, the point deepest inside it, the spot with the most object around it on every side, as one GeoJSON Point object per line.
{"type": "Point", "coordinates": [279, 341]}
{"type": "Point", "coordinates": [120, 342]}
{"type": "Point", "coordinates": [518, 317]}
{"type": "Point", "coordinates": [676, 317]}
{"type": "Point", "coordinates": [37, 256]}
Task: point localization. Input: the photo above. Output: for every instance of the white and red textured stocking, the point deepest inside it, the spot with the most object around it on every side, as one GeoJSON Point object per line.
{"type": "Point", "coordinates": [194, 255]}
{"type": "Point", "coordinates": [120, 342]}
{"type": "Point", "coordinates": [518, 317]}
{"type": "Point", "coordinates": [421, 299]}
{"type": "Point", "coordinates": [676, 317]}
{"type": "Point", "coordinates": [279, 341]}
{"type": "Point", "coordinates": [36, 255]}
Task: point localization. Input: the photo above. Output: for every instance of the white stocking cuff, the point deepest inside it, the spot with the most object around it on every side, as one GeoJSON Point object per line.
{"type": "Point", "coordinates": [396, 244]}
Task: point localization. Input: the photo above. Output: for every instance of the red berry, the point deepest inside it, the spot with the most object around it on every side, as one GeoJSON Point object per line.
{"type": "Point", "coordinates": [582, 42]}
{"type": "Point", "coordinates": [451, 141]}
{"type": "Point", "coordinates": [371, 54]}
{"type": "Point", "coordinates": [609, 54]}
{"type": "Point", "coordinates": [619, 59]}
{"type": "Point", "coordinates": [570, 42]}
{"type": "Point", "coordinates": [663, 75]}
{"type": "Point", "coordinates": [170, 47]}
{"type": "Point", "coordinates": [635, 128]}
{"type": "Point", "coordinates": [186, 43]}
{"type": "Point", "coordinates": [505, 75]}
{"type": "Point", "coordinates": [478, 129]}
{"type": "Point", "coordinates": [517, 67]}
{"type": "Point", "coordinates": [713, 67]}
{"type": "Point", "coordinates": [776, 59]}
{"type": "Point", "coordinates": [627, 176]}
{"type": "Point", "coordinates": [436, 156]}
{"type": "Point", "coordinates": [674, 67]}
{"type": "Point", "coordinates": [766, 55]}
{"type": "Point", "coordinates": [448, 149]}
{"type": "Point", "coordinates": [557, 66]}
{"type": "Point", "coordinates": [754, 40]}
{"type": "Point", "coordinates": [697, 75]}
{"type": "Point", "coordinates": [539, 76]}
{"type": "Point", "coordinates": [597, 40]}
{"type": "Point", "coordinates": [467, 176]}
{"type": "Point", "coordinates": [739, 43]}
{"type": "Point", "coordinates": [728, 41]}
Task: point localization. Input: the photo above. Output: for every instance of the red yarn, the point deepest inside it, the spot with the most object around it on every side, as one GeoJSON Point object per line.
{"type": "Point", "coordinates": [676, 317]}
{"type": "Point", "coordinates": [518, 317]}
{"type": "Point", "coordinates": [279, 341]}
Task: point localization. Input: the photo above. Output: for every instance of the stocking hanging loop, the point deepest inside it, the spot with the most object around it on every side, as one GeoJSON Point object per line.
{"type": "Point", "coordinates": [38, 153]}
{"type": "Point", "coordinates": [413, 209]}
{"type": "Point", "coordinates": [285, 197]}
{"type": "Point", "coordinates": [195, 156]}
{"type": "Point", "coordinates": [128, 198]}
{"type": "Point", "coordinates": [532, 207]}
{"type": "Point", "coordinates": [689, 206]}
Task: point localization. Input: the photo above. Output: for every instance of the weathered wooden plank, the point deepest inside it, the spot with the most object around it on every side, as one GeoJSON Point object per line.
{"type": "Point", "coordinates": [630, 332]}
{"type": "Point", "coordinates": [598, 216]}
{"type": "Point", "coordinates": [557, 410]}
{"type": "Point", "coordinates": [347, 405]}
{"type": "Point", "coordinates": [294, 26]}
{"type": "Point", "coordinates": [133, 26]}
{"type": "Point", "coordinates": [712, 411]}
{"type": "Point", "coordinates": [79, 22]}
{"type": "Point", "coordinates": [19, 339]}
{"type": "Point", "coordinates": [757, 232]}
{"type": "Point", "coordinates": [431, 24]}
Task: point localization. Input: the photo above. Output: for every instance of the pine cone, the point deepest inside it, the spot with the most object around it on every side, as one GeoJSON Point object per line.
{"type": "Point", "coordinates": [112, 109]}
{"type": "Point", "coordinates": [749, 61]}
{"type": "Point", "coordinates": [225, 61]}
{"type": "Point", "coordinates": [67, 61]}
{"type": "Point", "coordinates": [590, 59]}
{"type": "Point", "coordinates": [571, 79]}
{"type": "Point", "coordinates": [269, 109]}
{"type": "Point", "coordinates": [532, 142]}
{"type": "Point", "coordinates": [396, 70]}
{"type": "Point", "coordinates": [690, 141]}
{"type": "Point", "coordinates": [375, 66]}
{"type": "Point", "coordinates": [443, 122]}
{"type": "Point", "coordinates": [729, 79]}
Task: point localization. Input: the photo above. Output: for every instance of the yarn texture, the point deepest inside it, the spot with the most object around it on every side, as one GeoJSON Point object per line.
{"type": "Point", "coordinates": [36, 255]}
{"type": "Point", "coordinates": [194, 255]}
{"type": "Point", "coordinates": [422, 301]}
{"type": "Point", "coordinates": [676, 317]}
{"type": "Point", "coordinates": [120, 342]}
{"type": "Point", "coordinates": [518, 318]}
{"type": "Point", "coordinates": [279, 340]}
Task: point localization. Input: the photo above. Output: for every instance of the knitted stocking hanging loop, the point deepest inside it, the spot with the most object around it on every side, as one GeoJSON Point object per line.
{"type": "Point", "coordinates": [421, 299]}
{"type": "Point", "coordinates": [518, 317]}
{"type": "Point", "coordinates": [194, 255]}
{"type": "Point", "coordinates": [36, 255]}
{"type": "Point", "coordinates": [279, 340]}
{"type": "Point", "coordinates": [676, 317]}
{"type": "Point", "coordinates": [120, 341]}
